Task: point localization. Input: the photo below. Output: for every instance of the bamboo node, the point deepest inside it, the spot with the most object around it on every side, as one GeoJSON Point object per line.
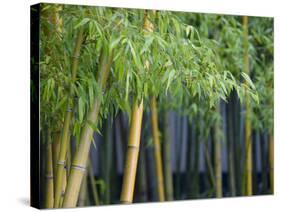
{"type": "Point", "coordinates": [80, 168]}
{"type": "Point", "coordinates": [49, 177]}
{"type": "Point", "coordinates": [69, 109]}
{"type": "Point", "coordinates": [77, 56]}
{"type": "Point", "coordinates": [132, 147]}
{"type": "Point", "coordinates": [60, 162]}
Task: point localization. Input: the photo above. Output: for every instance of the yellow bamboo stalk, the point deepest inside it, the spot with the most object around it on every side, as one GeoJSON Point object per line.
{"type": "Point", "coordinates": [55, 151]}
{"type": "Point", "coordinates": [64, 183]}
{"type": "Point", "coordinates": [129, 177]}
{"type": "Point", "coordinates": [157, 150]}
{"type": "Point", "coordinates": [68, 115]}
{"type": "Point", "coordinates": [49, 199]}
{"type": "Point", "coordinates": [271, 162]}
{"type": "Point", "coordinates": [248, 127]}
{"type": "Point", "coordinates": [83, 192]}
{"type": "Point", "coordinates": [79, 163]}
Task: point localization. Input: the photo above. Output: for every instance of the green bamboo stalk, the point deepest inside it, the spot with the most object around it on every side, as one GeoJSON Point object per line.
{"type": "Point", "coordinates": [168, 175]}
{"type": "Point", "coordinates": [237, 142]}
{"type": "Point", "coordinates": [68, 115]}
{"type": "Point", "coordinates": [217, 159]}
{"type": "Point", "coordinates": [64, 182]}
{"type": "Point", "coordinates": [157, 150]}
{"type": "Point", "coordinates": [49, 199]}
{"type": "Point", "coordinates": [248, 128]}
{"type": "Point", "coordinates": [128, 185]}
{"type": "Point", "coordinates": [209, 166]}
{"type": "Point", "coordinates": [55, 151]}
{"type": "Point", "coordinates": [68, 155]}
{"type": "Point", "coordinates": [93, 183]}
{"type": "Point", "coordinates": [80, 158]}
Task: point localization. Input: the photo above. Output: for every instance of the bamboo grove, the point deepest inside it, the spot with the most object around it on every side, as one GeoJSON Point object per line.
{"type": "Point", "coordinates": [142, 105]}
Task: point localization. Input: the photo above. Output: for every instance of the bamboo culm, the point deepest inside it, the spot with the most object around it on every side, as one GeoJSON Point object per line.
{"type": "Point", "coordinates": [129, 177]}
{"type": "Point", "coordinates": [168, 175]}
{"type": "Point", "coordinates": [93, 183]}
{"type": "Point", "coordinates": [248, 128]}
{"type": "Point", "coordinates": [49, 199]}
{"type": "Point", "coordinates": [66, 125]}
{"type": "Point", "coordinates": [80, 158]}
{"type": "Point", "coordinates": [157, 150]}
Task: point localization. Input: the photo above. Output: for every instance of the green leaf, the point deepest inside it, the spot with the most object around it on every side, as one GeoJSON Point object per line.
{"type": "Point", "coordinates": [170, 78]}
{"type": "Point", "coordinates": [81, 23]}
{"type": "Point", "coordinates": [80, 109]}
{"type": "Point", "coordinates": [94, 126]}
{"type": "Point", "coordinates": [115, 42]}
{"type": "Point", "coordinates": [248, 80]}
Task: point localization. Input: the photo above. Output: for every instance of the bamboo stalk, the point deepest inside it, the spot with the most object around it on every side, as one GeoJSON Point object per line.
{"type": "Point", "coordinates": [157, 150]}
{"type": "Point", "coordinates": [68, 115]}
{"type": "Point", "coordinates": [209, 166]}
{"type": "Point", "coordinates": [49, 199]}
{"type": "Point", "coordinates": [83, 192]}
{"type": "Point", "coordinates": [168, 175]}
{"type": "Point", "coordinates": [217, 159]}
{"type": "Point", "coordinates": [271, 162]}
{"type": "Point", "coordinates": [80, 158]}
{"type": "Point", "coordinates": [64, 182]}
{"type": "Point", "coordinates": [248, 127]}
{"type": "Point", "coordinates": [93, 183]}
{"type": "Point", "coordinates": [237, 142]}
{"type": "Point", "coordinates": [68, 156]}
{"type": "Point", "coordinates": [55, 151]}
{"type": "Point", "coordinates": [132, 153]}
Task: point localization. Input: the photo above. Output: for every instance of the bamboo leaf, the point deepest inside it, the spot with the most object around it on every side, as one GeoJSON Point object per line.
{"type": "Point", "coordinates": [81, 23]}
{"type": "Point", "coordinates": [170, 78]}
{"type": "Point", "coordinates": [248, 80]}
{"type": "Point", "coordinates": [80, 109]}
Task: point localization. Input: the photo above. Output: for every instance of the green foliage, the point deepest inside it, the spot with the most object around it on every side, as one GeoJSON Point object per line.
{"type": "Point", "coordinates": [188, 61]}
